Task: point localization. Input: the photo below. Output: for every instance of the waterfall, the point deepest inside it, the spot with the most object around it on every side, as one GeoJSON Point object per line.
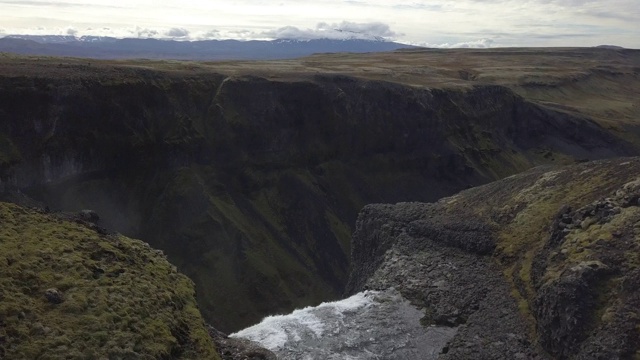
{"type": "Point", "coordinates": [368, 325]}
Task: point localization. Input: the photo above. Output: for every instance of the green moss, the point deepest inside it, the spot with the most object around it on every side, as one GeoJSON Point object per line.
{"type": "Point", "coordinates": [266, 203]}
{"type": "Point", "coordinates": [340, 230]}
{"type": "Point", "coordinates": [120, 296]}
{"type": "Point", "coordinates": [528, 231]}
{"type": "Point", "coordinates": [9, 154]}
{"type": "Point", "coordinates": [521, 209]}
{"type": "Point", "coordinates": [237, 239]}
{"type": "Point", "coordinates": [533, 208]}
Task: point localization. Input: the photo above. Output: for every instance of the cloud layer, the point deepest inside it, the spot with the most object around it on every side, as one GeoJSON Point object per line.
{"type": "Point", "coordinates": [343, 30]}
{"type": "Point", "coordinates": [434, 22]}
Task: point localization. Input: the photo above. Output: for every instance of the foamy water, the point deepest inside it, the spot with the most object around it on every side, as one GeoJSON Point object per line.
{"type": "Point", "coordinates": [368, 325]}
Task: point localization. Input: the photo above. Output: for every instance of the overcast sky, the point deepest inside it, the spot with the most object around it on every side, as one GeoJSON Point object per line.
{"type": "Point", "coordinates": [441, 23]}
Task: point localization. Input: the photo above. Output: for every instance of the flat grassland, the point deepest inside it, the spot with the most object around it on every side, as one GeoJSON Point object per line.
{"type": "Point", "coordinates": [600, 83]}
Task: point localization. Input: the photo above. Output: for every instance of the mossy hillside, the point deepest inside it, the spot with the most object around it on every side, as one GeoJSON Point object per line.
{"type": "Point", "coordinates": [122, 299]}
{"type": "Point", "coordinates": [254, 240]}
{"type": "Point", "coordinates": [9, 155]}
{"type": "Point", "coordinates": [539, 255]}
{"type": "Point", "coordinates": [528, 232]}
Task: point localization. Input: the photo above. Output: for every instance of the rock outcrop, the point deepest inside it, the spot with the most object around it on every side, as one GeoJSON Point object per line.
{"type": "Point", "coordinates": [238, 349]}
{"type": "Point", "coordinates": [542, 264]}
{"type": "Point", "coordinates": [54, 296]}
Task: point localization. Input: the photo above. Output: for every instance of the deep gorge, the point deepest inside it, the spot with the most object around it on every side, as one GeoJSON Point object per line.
{"type": "Point", "coordinates": [252, 185]}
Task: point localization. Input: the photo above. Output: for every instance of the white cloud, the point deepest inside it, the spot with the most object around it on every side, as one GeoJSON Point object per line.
{"type": "Point", "coordinates": [206, 35]}
{"type": "Point", "coordinates": [177, 33]}
{"type": "Point", "coordinates": [144, 33]}
{"type": "Point", "coordinates": [445, 22]}
{"type": "Point", "coordinates": [475, 44]}
{"type": "Point", "coordinates": [377, 29]}
{"type": "Point", "coordinates": [343, 30]}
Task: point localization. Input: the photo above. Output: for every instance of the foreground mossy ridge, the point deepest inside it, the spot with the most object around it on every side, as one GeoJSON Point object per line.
{"type": "Point", "coordinates": [120, 298]}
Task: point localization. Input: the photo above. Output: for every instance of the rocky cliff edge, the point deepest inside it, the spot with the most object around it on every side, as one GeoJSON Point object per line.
{"type": "Point", "coordinates": [543, 264]}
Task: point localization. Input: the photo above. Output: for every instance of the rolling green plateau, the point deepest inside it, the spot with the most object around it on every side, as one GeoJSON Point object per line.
{"type": "Point", "coordinates": [250, 175]}
{"type": "Point", "coordinates": [69, 292]}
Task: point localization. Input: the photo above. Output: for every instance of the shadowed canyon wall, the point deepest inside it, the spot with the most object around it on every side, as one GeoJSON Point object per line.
{"type": "Point", "coordinates": [252, 186]}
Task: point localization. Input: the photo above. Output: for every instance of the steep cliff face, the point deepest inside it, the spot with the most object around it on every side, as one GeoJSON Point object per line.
{"type": "Point", "coordinates": [251, 185]}
{"type": "Point", "coordinates": [542, 264]}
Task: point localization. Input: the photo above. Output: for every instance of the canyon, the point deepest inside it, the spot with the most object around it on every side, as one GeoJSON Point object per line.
{"type": "Point", "coordinates": [250, 175]}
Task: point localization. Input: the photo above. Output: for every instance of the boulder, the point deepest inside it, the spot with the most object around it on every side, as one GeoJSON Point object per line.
{"type": "Point", "coordinates": [89, 216]}
{"type": "Point", "coordinates": [54, 296]}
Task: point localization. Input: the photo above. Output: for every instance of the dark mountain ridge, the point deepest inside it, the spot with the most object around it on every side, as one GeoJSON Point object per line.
{"type": "Point", "coordinates": [128, 48]}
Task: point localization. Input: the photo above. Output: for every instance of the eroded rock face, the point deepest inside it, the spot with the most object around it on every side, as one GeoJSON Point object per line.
{"type": "Point", "coordinates": [433, 260]}
{"type": "Point", "coordinates": [563, 307]}
{"type": "Point", "coordinates": [518, 277]}
{"type": "Point", "coordinates": [579, 303]}
{"type": "Point", "coordinates": [238, 349]}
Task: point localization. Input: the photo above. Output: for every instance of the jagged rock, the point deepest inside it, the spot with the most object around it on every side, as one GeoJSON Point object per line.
{"type": "Point", "coordinates": [467, 235]}
{"type": "Point", "coordinates": [89, 216]}
{"type": "Point", "coordinates": [54, 296]}
{"type": "Point", "coordinates": [438, 263]}
{"type": "Point", "coordinates": [238, 349]}
{"type": "Point", "coordinates": [563, 307]}
{"type": "Point", "coordinates": [572, 274]}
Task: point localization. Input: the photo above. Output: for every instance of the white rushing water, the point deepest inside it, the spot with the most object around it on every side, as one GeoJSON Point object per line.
{"type": "Point", "coordinates": [368, 325]}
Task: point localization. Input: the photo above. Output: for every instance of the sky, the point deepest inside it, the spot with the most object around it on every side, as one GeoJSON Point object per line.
{"type": "Point", "coordinates": [435, 23]}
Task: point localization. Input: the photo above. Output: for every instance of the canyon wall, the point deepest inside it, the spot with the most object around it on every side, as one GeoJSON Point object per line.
{"type": "Point", "coordinates": [252, 185]}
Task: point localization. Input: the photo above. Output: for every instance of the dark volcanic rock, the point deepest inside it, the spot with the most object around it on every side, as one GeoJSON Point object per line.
{"type": "Point", "coordinates": [238, 349]}
{"type": "Point", "coordinates": [469, 236]}
{"type": "Point", "coordinates": [54, 296]}
{"type": "Point", "coordinates": [568, 306]}
{"type": "Point", "coordinates": [563, 307]}
{"type": "Point", "coordinates": [517, 276]}
{"type": "Point", "coordinates": [435, 263]}
{"type": "Point", "coordinates": [89, 216]}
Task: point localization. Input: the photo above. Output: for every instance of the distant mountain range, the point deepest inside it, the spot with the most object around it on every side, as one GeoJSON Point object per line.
{"type": "Point", "coordinates": [113, 48]}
